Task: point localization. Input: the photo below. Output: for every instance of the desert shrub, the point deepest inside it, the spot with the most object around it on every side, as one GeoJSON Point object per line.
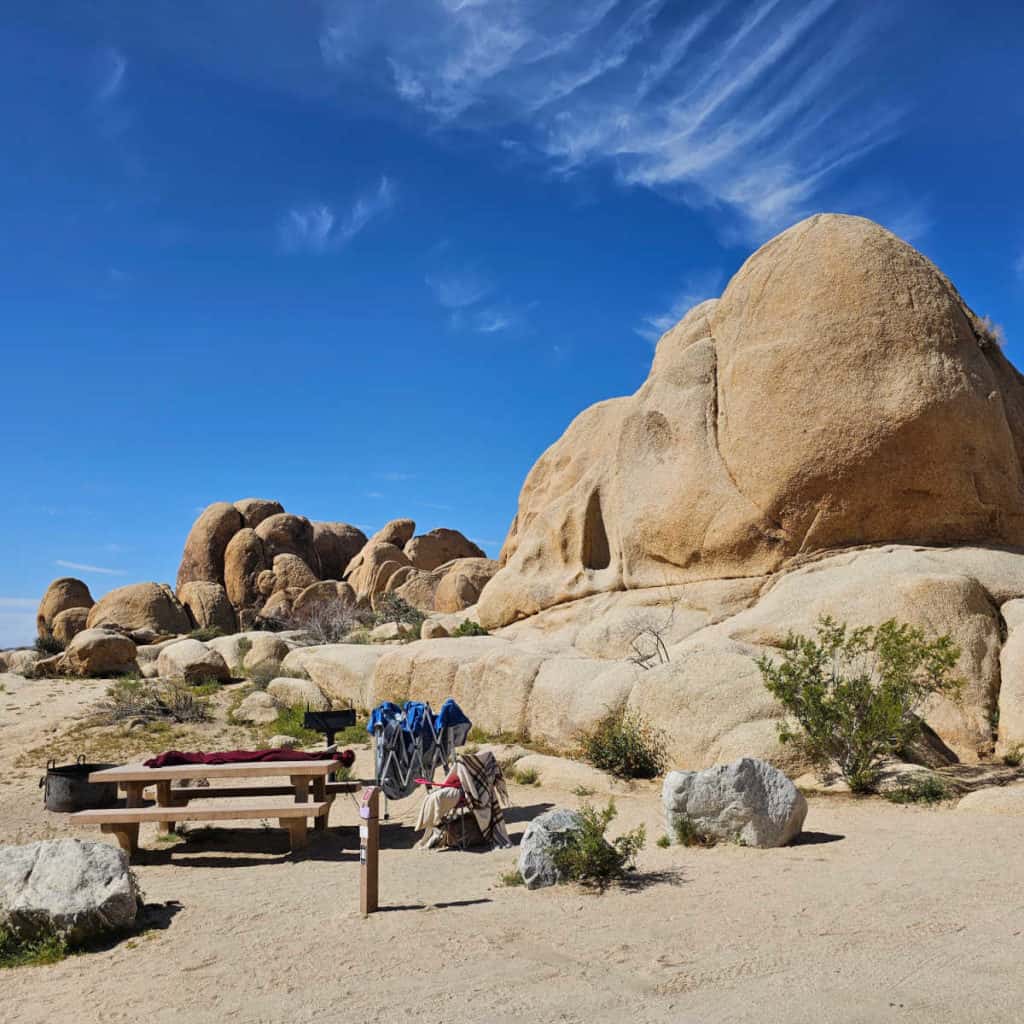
{"type": "Point", "coordinates": [18, 952]}
{"type": "Point", "coordinates": [1014, 757]}
{"type": "Point", "coordinates": [687, 833]}
{"type": "Point", "coordinates": [511, 878]}
{"type": "Point", "coordinates": [134, 699]}
{"type": "Point", "coordinates": [469, 628]}
{"type": "Point", "coordinates": [244, 647]}
{"type": "Point", "coordinates": [624, 743]}
{"type": "Point", "coordinates": [48, 645]}
{"type": "Point", "coordinates": [330, 622]}
{"type": "Point", "coordinates": [525, 776]}
{"type": "Point", "coordinates": [663, 841]}
{"type": "Point", "coordinates": [392, 608]}
{"type": "Point", "coordinates": [854, 693]}
{"type": "Point", "coordinates": [924, 789]}
{"type": "Point", "coordinates": [587, 857]}
{"type": "Point", "coordinates": [205, 633]}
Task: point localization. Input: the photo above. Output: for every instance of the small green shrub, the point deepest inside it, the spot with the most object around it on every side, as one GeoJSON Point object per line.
{"type": "Point", "coordinates": [244, 647]}
{"type": "Point", "coordinates": [205, 633]}
{"type": "Point", "coordinates": [624, 743]}
{"type": "Point", "coordinates": [582, 791]}
{"type": "Point", "coordinates": [687, 833]}
{"type": "Point", "coordinates": [392, 608]}
{"type": "Point", "coordinates": [923, 789]}
{"type": "Point", "coordinates": [664, 842]}
{"type": "Point", "coordinates": [469, 628]}
{"type": "Point", "coordinates": [1014, 757]}
{"type": "Point", "coordinates": [206, 687]}
{"type": "Point", "coordinates": [855, 693]}
{"type": "Point", "coordinates": [511, 878]}
{"type": "Point", "coordinates": [587, 857]}
{"type": "Point", "coordinates": [48, 645]}
{"type": "Point", "coordinates": [18, 952]}
{"type": "Point", "coordinates": [152, 702]}
{"type": "Point", "coordinates": [525, 776]}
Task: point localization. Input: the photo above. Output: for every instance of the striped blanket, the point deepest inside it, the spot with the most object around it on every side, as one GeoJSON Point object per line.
{"type": "Point", "coordinates": [484, 786]}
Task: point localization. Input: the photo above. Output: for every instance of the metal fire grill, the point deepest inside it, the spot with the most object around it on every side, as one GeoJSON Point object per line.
{"type": "Point", "coordinates": [329, 722]}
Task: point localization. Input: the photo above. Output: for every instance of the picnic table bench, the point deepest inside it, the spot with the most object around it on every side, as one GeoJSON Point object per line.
{"type": "Point", "coordinates": [305, 779]}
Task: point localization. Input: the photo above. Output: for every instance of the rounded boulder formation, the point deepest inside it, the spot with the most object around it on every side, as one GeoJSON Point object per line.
{"type": "Point", "coordinates": [141, 606]}
{"type": "Point", "coordinates": [292, 573]}
{"type": "Point", "coordinates": [432, 550]}
{"type": "Point", "coordinates": [255, 510]}
{"type": "Point", "coordinates": [839, 393]}
{"type": "Point", "coordinates": [203, 556]}
{"type": "Point", "coordinates": [67, 624]}
{"type": "Point", "coordinates": [285, 534]}
{"type": "Point", "coordinates": [463, 583]}
{"type": "Point", "coordinates": [62, 594]}
{"type": "Point", "coordinates": [244, 560]}
{"type": "Point", "coordinates": [336, 545]}
{"type": "Point", "coordinates": [208, 606]}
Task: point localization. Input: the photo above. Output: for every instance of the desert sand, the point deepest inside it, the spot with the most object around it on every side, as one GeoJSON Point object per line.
{"type": "Point", "coordinates": [881, 912]}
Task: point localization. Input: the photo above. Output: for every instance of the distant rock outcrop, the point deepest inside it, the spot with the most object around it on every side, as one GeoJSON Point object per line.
{"type": "Point", "coordinates": [141, 606]}
{"type": "Point", "coordinates": [61, 595]}
{"type": "Point", "coordinates": [431, 550]}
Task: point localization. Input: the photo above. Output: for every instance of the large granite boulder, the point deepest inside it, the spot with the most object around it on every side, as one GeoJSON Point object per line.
{"type": "Point", "coordinates": [839, 393]}
{"type": "Point", "coordinates": [245, 560]}
{"type": "Point", "coordinates": [397, 532]}
{"type": "Point", "coordinates": [255, 510]}
{"type": "Point", "coordinates": [545, 834]}
{"type": "Point", "coordinates": [336, 545]}
{"type": "Point", "coordinates": [252, 652]}
{"type": "Point", "coordinates": [67, 624]}
{"type": "Point", "coordinates": [208, 606]}
{"type": "Point", "coordinates": [292, 573]}
{"type": "Point", "coordinates": [430, 550]}
{"type": "Point", "coordinates": [203, 556]}
{"type": "Point", "coordinates": [286, 534]}
{"type": "Point", "coordinates": [61, 594]}
{"type": "Point", "coordinates": [345, 672]}
{"type": "Point", "coordinates": [98, 652]}
{"type": "Point", "coordinates": [297, 693]}
{"type": "Point", "coordinates": [747, 802]}
{"type": "Point", "coordinates": [462, 582]}
{"type": "Point", "coordinates": [78, 889]}
{"type": "Point", "coordinates": [370, 571]}
{"type": "Point", "coordinates": [192, 661]}
{"type": "Point", "coordinates": [150, 606]}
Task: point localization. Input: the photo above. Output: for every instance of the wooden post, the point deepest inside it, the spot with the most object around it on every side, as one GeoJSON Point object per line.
{"type": "Point", "coordinates": [369, 847]}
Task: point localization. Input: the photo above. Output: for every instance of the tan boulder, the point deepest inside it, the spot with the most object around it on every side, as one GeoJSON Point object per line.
{"type": "Point", "coordinates": [67, 623]}
{"type": "Point", "coordinates": [23, 661]}
{"type": "Point", "coordinates": [398, 532]}
{"type": "Point", "coordinates": [208, 606]}
{"type": "Point", "coordinates": [839, 393]}
{"type": "Point", "coordinates": [285, 534]}
{"type": "Point", "coordinates": [244, 560]}
{"type": "Point", "coordinates": [1011, 673]}
{"type": "Point", "coordinates": [98, 652]}
{"type": "Point", "coordinates": [416, 587]}
{"type": "Point", "coordinates": [431, 550]}
{"type": "Point", "coordinates": [995, 800]}
{"type": "Point", "coordinates": [345, 672]}
{"type": "Point", "coordinates": [266, 583]}
{"type": "Point", "coordinates": [297, 693]}
{"type": "Point", "coordinates": [278, 607]}
{"type": "Point", "coordinates": [292, 573]}
{"type": "Point", "coordinates": [258, 708]}
{"type": "Point", "coordinates": [192, 661]}
{"type": "Point", "coordinates": [151, 606]}
{"type": "Point", "coordinates": [368, 573]}
{"type": "Point", "coordinates": [325, 594]}
{"type": "Point", "coordinates": [463, 583]}
{"type": "Point", "coordinates": [203, 556]}
{"type": "Point", "coordinates": [336, 545]}
{"type": "Point", "coordinates": [263, 652]}
{"type": "Point", "coordinates": [493, 685]}
{"type": "Point", "coordinates": [61, 594]}
{"type": "Point", "coordinates": [255, 510]}
{"type": "Point", "coordinates": [432, 629]}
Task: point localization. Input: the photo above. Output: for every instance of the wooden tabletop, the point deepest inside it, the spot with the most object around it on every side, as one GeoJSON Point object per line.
{"type": "Point", "coordinates": [240, 770]}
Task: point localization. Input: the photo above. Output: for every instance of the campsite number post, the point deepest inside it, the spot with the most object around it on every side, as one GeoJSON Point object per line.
{"type": "Point", "coordinates": [369, 846]}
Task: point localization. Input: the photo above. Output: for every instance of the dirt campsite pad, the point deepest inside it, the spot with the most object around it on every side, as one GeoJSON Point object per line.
{"type": "Point", "coordinates": [882, 912]}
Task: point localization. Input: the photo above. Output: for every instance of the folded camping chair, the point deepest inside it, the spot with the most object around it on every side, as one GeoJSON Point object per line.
{"type": "Point", "coordinates": [475, 787]}
{"type": "Point", "coordinates": [412, 742]}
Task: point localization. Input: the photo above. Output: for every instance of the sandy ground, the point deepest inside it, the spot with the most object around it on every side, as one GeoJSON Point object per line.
{"type": "Point", "coordinates": [882, 913]}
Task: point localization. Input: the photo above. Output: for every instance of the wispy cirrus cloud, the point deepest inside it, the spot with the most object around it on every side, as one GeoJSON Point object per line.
{"type": "Point", "coordinates": [83, 567]}
{"type": "Point", "coordinates": [468, 296]}
{"type": "Point", "coordinates": [112, 66]}
{"type": "Point", "coordinates": [320, 227]}
{"type": "Point", "coordinates": [750, 108]}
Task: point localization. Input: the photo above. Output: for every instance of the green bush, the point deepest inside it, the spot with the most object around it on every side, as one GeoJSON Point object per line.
{"type": "Point", "coordinates": [525, 776]}
{"type": "Point", "coordinates": [687, 833]}
{"type": "Point", "coordinates": [48, 645]}
{"type": "Point", "coordinates": [392, 608]}
{"type": "Point", "coordinates": [587, 857]}
{"type": "Point", "coordinates": [854, 693]}
{"type": "Point", "coordinates": [205, 633]}
{"type": "Point", "coordinates": [926, 789]}
{"type": "Point", "coordinates": [18, 952]}
{"type": "Point", "coordinates": [624, 743]}
{"type": "Point", "coordinates": [1014, 757]}
{"type": "Point", "coordinates": [469, 628]}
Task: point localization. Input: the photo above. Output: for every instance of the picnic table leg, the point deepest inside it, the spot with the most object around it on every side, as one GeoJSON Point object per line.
{"type": "Point", "coordinates": [298, 834]}
{"type": "Point", "coordinates": [164, 799]}
{"type": "Point", "coordinates": [127, 836]}
{"type": "Point", "coordinates": [320, 795]}
{"type": "Point", "coordinates": [133, 793]}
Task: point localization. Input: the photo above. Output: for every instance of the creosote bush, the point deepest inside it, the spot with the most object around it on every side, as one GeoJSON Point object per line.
{"type": "Point", "coordinates": [392, 608]}
{"type": "Point", "coordinates": [624, 743]}
{"type": "Point", "coordinates": [587, 857]}
{"type": "Point", "coordinates": [469, 628]}
{"type": "Point", "coordinates": [134, 699]}
{"type": "Point", "coordinates": [48, 645]}
{"type": "Point", "coordinates": [925, 789]}
{"type": "Point", "coordinates": [854, 694]}
{"type": "Point", "coordinates": [205, 633]}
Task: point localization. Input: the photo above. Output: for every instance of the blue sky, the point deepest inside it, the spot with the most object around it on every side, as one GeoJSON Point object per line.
{"type": "Point", "coordinates": [370, 259]}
